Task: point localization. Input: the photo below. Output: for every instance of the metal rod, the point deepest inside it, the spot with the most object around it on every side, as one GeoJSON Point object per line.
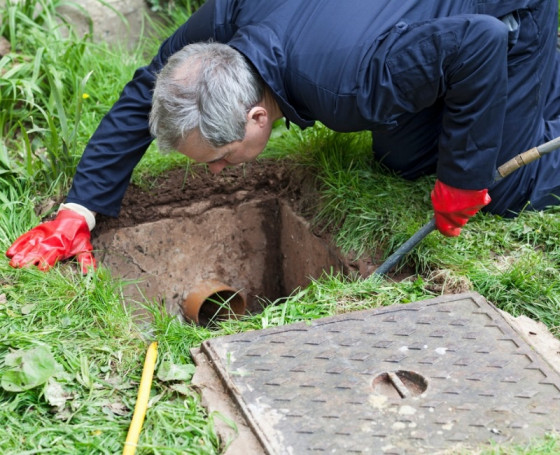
{"type": "Point", "coordinates": [549, 146]}
{"type": "Point", "coordinates": [406, 247]}
{"type": "Point", "coordinates": [503, 171]}
{"type": "Point", "coordinates": [399, 385]}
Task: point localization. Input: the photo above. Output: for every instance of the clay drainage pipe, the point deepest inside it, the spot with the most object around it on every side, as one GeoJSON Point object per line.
{"type": "Point", "coordinates": [213, 300]}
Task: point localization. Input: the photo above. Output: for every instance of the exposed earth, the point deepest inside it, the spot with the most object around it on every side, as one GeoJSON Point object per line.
{"type": "Point", "coordinates": [247, 227]}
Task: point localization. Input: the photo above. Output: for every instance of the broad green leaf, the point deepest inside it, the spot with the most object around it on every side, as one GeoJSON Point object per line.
{"type": "Point", "coordinates": [169, 371]}
{"type": "Point", "coordinates": [28, 369]}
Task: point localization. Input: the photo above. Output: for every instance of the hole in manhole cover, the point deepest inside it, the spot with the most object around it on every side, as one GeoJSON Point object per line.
{"type": "Point", "coordinates": [403, 384]}
{"type": "Point", "coordinates": [240, 227]}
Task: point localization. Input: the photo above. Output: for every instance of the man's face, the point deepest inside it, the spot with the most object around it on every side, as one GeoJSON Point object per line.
{"type": "Point", "coordinates": [254, 142]}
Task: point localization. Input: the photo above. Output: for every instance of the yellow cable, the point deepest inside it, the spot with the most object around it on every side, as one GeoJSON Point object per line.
{"type": "Point", "coordinates": [141, 401]}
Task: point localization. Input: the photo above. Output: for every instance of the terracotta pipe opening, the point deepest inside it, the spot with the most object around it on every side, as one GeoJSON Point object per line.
{"type": "Point", "coordinates": [213, 300]}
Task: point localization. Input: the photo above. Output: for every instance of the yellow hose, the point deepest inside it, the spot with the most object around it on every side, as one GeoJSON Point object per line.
{"type": "Point", "coordinates": [141, 401]}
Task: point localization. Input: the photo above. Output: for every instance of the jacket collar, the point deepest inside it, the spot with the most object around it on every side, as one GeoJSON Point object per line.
{"type": "Point", "coordinates": [261, 47]}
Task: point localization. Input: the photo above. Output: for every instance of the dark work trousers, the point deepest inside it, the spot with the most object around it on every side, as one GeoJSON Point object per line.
{"type": "Point", "coordinates": [532, 118]}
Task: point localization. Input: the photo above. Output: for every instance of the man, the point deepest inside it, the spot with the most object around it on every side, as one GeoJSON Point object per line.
{"type": "Point", "coordinates": [451, 87]}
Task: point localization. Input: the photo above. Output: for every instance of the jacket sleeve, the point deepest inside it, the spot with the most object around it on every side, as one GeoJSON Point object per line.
{"type": "Point", "coordinates": [123, 135]}
{"type": "Point", "coordinates": [460, 61]}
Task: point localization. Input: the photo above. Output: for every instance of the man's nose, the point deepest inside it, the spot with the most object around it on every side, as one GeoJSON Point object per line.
{"type": "Point", "coordinates": [217, 167]}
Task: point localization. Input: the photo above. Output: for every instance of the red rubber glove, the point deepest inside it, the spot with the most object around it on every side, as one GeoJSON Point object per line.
{"type": "Point", "coordinates": [453, 207]}
{"type": "Point", "coordinates": [66, 236]}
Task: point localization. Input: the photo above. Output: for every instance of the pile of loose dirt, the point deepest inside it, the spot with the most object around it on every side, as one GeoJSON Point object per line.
{"type": "Point", "coordinates": [179, 188]}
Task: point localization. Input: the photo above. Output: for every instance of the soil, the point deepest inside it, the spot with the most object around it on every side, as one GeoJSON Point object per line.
{"type": "Point", "coordinates": [179, 188]}
{"type": "Point", "coordinates": [248, 227]}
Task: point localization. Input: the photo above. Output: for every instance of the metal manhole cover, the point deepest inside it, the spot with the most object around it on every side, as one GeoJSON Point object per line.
{"type": "Point", "coordinates": [405, 379]}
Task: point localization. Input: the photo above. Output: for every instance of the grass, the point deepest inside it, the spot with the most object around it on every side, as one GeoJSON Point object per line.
{"type": "Point", "coordinates": [512, 262]}
{"type": "Point", "coordinates": [81, 393]}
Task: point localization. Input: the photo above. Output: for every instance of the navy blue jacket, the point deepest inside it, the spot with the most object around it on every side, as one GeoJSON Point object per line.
{"type": "Point", "coordinates": [355, 65]}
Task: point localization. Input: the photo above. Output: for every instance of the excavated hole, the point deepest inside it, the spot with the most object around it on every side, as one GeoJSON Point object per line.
{"type": "Point", "coordinates": [241, 227]}
{"type": "Point", "coordinates": [260, 247]}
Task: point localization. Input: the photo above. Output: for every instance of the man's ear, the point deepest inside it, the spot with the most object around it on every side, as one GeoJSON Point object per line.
{"type": "Point", "coordinates": [259, 115]}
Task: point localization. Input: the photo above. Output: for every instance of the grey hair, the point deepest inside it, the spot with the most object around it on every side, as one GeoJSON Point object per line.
{"type": "Point", "coordinates": [209, 87]}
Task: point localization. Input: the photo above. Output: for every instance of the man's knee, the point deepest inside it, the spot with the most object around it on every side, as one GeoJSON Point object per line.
{"type": "Point", "coordinates": [487, 31]}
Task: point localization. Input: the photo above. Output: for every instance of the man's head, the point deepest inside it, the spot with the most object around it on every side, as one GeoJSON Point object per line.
{"type": "Point", "coordinates": [208, 103]}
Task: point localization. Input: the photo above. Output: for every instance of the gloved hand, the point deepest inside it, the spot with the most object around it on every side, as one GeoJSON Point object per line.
{"type": "Point", "coordinates": [66, 236]}
{"type": "Point", "coordinates": [453, 207]}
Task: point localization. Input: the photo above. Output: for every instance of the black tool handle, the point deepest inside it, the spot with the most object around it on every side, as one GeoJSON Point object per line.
{"type": "Point", "coordinates": [503, 171]}
{"type": "Point", "coordinates": [406, 247]}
